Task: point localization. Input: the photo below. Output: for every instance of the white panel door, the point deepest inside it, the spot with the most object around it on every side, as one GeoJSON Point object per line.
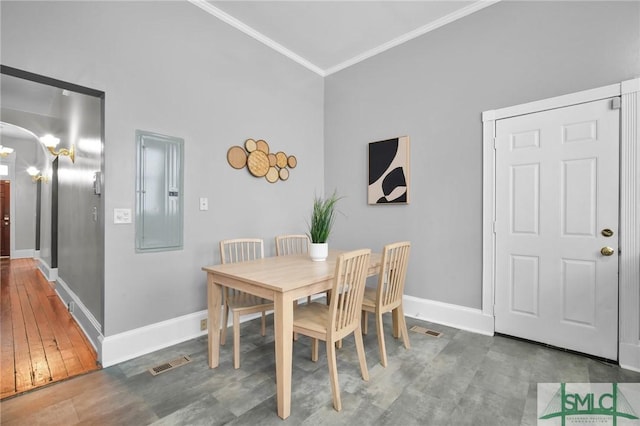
{"type": "Point", "coordinates": [556, 200]}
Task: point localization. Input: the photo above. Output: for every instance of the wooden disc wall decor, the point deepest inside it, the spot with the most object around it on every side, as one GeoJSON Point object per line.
{"type": "Point", "coordinates": [272, 175]}
{"type": "Point", "coordinates": [255, 156]}
{"type": "Point", "coordinates": [237, 157]}
{"type": "Point", "coordinates": [262, 146]}
{"type": "Point", "coordinates": [281, 160]}
{"type": "Point", "coordinates": [258, 163]}
{"type": "Point", "coordinates": [284, 174]}
{"type": "Point", "coordinates": [250, 145]}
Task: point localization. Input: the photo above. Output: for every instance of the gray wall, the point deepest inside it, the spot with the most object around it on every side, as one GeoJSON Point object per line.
{"type": "Point", "coordinates": [170, 68]}
{"type": "Point", "coordinates": [434, 89]}
{"type": "Point", "coordinates": [80, 238]}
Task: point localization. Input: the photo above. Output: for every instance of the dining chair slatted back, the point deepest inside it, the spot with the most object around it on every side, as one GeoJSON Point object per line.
{"type": "Point", "coordinates": [292, 244]}
{"type": "Point", "coordinates": [238, 302]}
{"type": "Point", "coordinates": [348, 291]}
{"type": "Point", "coordinates": [241, 250]}
{"type": "Point", "coordinates": [387, 297]}
{"type": "Point", "coordinates": [341, 318]}
{"type": "Point", "coordinates": [395, 259]}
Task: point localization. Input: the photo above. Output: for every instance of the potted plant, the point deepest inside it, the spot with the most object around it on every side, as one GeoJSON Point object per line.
{"type": "Point", "coordinates": [322, 218]}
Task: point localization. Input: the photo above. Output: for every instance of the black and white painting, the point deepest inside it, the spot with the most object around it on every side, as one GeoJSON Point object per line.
{"type": "Point", "coordinates": [389, 171]}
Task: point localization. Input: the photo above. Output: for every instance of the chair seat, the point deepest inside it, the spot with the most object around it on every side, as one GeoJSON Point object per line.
{"type": "Point", "coordinates": [312, 317]}
{"type": "Point", "coordinates": [369, 300]}
{"type": "Point", "coordinates": [246, 302]}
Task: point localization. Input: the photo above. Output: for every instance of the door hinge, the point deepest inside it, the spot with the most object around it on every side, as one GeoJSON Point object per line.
{"type": "Point", "coordinates": [494, 227]}
{"type": "Point", "coordinates": [495, 143]}
{"type": "Point", "coordinates": [616, 103]}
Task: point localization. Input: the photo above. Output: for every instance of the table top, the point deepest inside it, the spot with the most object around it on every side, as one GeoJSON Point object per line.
{"type": "Point", "coordinates": [285, 273]}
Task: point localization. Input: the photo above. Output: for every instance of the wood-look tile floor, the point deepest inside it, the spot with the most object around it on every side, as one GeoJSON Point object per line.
{"type": "Point", "coordinates": [41, 342]}
{"type": "Point", "coordinates": [460, 378]}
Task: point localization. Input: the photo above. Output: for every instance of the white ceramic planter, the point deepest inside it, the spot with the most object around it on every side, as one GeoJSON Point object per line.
{"type": "Point", "coordinates": [319, 251]}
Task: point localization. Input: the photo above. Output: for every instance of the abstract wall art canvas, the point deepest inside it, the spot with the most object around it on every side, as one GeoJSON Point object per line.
{"type": "Point", "coordinates": [389, 171]}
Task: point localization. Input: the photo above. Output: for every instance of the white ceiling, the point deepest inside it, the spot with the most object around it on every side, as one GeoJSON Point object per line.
{"type": "Point", "coordinates": [327, 36]}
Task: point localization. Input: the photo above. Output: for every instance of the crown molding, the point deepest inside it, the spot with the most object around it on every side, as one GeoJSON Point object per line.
{"type": "Point", "coordinates": [447, 19]}
{"type": "Point", "coordinates": [225, 17]}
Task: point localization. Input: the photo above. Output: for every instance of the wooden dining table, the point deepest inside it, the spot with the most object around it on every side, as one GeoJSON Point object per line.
{"type": "Point", "coordinates": [282, 279]}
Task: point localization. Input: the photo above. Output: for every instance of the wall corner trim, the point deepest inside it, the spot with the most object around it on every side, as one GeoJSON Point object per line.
{"type": "Point", "coordinates": [489, 115]}
{"type": "Point", "coordinates": [49, 273]}
{"type": "Point", "coordinates": [630, 86]}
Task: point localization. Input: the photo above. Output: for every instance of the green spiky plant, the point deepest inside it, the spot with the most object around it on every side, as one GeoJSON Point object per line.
{"type": "Point", "coordinates": [322, 218]}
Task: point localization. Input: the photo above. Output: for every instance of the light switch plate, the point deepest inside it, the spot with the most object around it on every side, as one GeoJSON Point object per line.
{"type": "Point", "coordinates": [204, 204]}
{"type": "Point", "coordinates": [121, 215]}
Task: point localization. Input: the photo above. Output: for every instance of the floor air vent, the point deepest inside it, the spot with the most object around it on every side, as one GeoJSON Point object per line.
{"type": "Point", "coordinates": [426, 331]}
{"type": "Point", "coordinates": [184, 359]}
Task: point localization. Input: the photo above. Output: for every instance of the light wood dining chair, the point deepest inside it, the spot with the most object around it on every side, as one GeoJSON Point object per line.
{"type": "Point", "coordinates": [238, 302]}
{"type": "Point", "coordinates": [387, 297]}
{"type": "Point", "coordinates": [293, 244]}
{"type": "Point", "coordinates": [340, 318]}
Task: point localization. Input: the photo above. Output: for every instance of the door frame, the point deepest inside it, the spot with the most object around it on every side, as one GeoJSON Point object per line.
{"type": "Point", "coordinates": [629, 227]}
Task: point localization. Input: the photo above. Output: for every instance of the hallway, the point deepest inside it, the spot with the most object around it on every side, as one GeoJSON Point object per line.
{"type": "Point", "coordinates": [41, 342]}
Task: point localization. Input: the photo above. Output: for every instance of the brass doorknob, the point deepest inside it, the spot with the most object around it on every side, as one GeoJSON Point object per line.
{"type": "Point", "coordinates": [607, 251]}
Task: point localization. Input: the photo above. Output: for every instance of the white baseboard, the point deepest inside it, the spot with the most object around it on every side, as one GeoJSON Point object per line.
{"type": "Point", "coordinates": [49, 273]}
{"type": "Point", "coordinates": [140, 341]}
{"type": "Point", "coordinates": [629, 356]}
{"type": "Point", "coordinates": [85, 319]}
{"type": "Point", "coordinates": [23, 254]}
{"type": "Point", "coordinates": [450, 315]}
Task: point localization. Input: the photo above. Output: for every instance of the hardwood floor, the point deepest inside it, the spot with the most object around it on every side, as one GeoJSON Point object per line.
{"type": "Point", "coordinates": [41, 342]}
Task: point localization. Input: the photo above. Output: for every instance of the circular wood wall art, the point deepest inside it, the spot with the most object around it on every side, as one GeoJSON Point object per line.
{"type": "Point", "coordinates": [284, 174]}
{"type": "Point", "coordinates": [262, 146]}
{"type": "Point", "coordinates": [237, 157]}
{"type": "Point", "coordinates": [255, 156]}
{"type": "Point", "coordinates": [258, 163]}
{"type": "Point", "coordinates": [281, 160]}
{"type": "Point", "coordinates": [250, 145]}
{"type": "Point", "coordinates": [272, 175]}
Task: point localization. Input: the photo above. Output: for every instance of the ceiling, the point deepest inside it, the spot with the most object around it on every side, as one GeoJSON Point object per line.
{"type": "Point", "coordinates": [328, 36]}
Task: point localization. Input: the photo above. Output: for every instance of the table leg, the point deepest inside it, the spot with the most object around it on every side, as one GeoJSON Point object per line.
{"type": "Point", "coordinates": [214, 292]}
{"type": "Point", "coordinates": [283, 330]}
